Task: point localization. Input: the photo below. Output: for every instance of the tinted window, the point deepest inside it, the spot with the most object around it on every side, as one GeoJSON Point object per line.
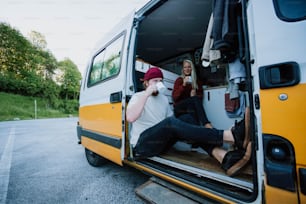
{"type": "Point", "coordinates": [107, 63]}
{"type": "Point", "coordinates": [290, 10]}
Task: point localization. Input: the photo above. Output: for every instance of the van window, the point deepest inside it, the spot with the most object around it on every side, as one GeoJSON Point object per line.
{"type": "Point", "coordinates": [107, 63]}
{"type": "Point", "coordinates": [289, 10]}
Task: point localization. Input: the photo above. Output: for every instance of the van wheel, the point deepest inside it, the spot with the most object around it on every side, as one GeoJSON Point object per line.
{"type": "Point", "coordinates": [94, 159]}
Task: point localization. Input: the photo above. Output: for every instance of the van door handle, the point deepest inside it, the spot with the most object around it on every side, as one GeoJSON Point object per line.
{"type": "Point", "coordinates": [116, 97]}
{"type": "Point", "coordinates": [279, 75]}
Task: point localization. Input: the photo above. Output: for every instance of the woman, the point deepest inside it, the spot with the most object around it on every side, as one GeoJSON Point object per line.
{"type": "Point", "coordinates": [187, 95]}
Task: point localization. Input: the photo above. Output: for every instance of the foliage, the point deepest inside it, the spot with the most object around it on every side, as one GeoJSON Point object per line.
{"type": "Point", "coordinates": [28, 68]}
{"type": "Point", "coordinates": [70, 79]}
{"type": "Point", "coordinates": [23, 107]}
{"type": "Point", "coordinates": [38, 39]}
{"type": "Point", "coordinates": [15, 52]}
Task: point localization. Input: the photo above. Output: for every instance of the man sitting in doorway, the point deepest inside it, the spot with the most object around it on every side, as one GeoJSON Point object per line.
{"type": "Point", "coordinates": [155, 129]}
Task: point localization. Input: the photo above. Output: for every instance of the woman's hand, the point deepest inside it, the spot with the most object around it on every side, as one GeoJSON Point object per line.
{"type": "Point", "coordinates": [185, 80]}
{"type": "Point", "coordinates": [193, 92]}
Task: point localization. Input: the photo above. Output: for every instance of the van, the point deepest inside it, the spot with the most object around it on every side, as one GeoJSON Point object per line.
{"type": "Point", "coordinates": [264, 39]}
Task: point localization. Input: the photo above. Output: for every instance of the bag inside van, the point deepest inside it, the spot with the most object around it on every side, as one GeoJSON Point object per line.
{"type": "Point", "coordinates": [208, 33]}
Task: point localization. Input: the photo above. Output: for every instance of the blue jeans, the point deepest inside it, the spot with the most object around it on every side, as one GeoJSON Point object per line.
{"type": "Point", "coordinates": [160, 137]}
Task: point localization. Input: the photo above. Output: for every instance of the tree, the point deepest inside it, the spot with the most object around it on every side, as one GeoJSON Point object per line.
{"type": "Point", "coordinates": [15, 51]}
{"type": "Point", "coordinates": [38, 40]}
{"type": "Point", "coordinates": [28, 68]}
{"type": "Point", "coordinates": [23, 66]}
{"type": "Point", "coordinates": [69, 78]}
{"type": "Point", "coordinates": [46, 62]}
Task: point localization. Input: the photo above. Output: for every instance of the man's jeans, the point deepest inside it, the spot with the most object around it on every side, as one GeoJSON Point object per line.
{"type": "Point", "coordinates": [162, 136]}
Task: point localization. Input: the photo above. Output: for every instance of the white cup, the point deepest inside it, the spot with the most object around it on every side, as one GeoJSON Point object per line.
{"type": "Point", "coordinates": [189, 79]}
{"type": "Point", "coordinates": [161, 87]}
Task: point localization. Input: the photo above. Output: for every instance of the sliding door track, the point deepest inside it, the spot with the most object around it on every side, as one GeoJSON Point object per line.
{"type": "Point", "coordinates": [243, 184]}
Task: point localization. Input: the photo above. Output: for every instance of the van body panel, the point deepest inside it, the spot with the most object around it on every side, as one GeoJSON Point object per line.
{"type": "Point", "coordinates": [111, 153]}
{"type": "Point", "coordinates": [276, 195]}
{"type": "Point", "coordinates": [286, 118]}
{"type": "Point", "coordinates": [276, 44]}
{"type": "Point", "coordinates": [276, 40]}
{"type": "Point", "coordinates": [102, 118]}
{"type": "Point", "coordinates": [101, 102]}
{"type": "Point", "coordinates": [302, 182]}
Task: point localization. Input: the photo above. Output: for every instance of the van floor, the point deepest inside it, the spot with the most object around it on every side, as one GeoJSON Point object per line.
{"type": "Point", "coordinates": [198, 167]}
{"type": "Point", "coordinates": [204, 162]}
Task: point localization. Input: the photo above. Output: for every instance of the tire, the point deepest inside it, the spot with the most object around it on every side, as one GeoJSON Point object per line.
{"type": "Point", "coordinates": [94, 159]}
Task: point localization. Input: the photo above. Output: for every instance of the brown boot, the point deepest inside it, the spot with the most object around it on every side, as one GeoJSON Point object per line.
{"type": "Point", "coordinates": [235, 160]}
{"type": "Point", "coordinates": [241, 131]}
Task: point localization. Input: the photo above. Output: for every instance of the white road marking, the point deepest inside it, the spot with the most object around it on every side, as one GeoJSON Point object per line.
{"type": "Point", "coordinates": [5, 166]}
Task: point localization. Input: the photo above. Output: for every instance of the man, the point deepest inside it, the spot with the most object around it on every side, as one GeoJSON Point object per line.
{"type": "Point", "coordinates": [155, 129]}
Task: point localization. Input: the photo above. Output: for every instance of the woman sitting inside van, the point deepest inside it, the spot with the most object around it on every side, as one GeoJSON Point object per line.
{"type": "Point", "coordinates": [187, 95]}
{"type": "Point", "coordinates": [154, 129]}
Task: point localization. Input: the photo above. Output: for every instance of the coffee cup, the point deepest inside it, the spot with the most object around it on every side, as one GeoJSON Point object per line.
{"type": "Point", "coordinates": [161, 87]}
{"type": "Point", "coordinates": [189, 79]}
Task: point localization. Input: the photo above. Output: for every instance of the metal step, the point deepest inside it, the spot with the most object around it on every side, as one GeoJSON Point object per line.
{"type": "Point", "coordinates": [161, 192]}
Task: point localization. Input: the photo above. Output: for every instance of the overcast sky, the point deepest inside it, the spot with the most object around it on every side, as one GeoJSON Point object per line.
{"type": "Point", "coordinates": [71, 27]}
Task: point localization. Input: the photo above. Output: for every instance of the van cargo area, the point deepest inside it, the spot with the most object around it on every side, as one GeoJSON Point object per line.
{"type": "Point", "coordinates": [165, 37]}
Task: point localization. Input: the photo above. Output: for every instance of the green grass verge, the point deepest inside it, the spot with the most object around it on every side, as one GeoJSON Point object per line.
{"type": "Point", "coordinates": [17, 107]}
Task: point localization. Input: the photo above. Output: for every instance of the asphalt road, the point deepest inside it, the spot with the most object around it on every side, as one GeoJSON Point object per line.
{"type": "Point", "coordinates": [41, 162]}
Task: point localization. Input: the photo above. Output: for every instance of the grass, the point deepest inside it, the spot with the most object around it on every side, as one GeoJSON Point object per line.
{"type": "Point", "coordinates": [17, 107]}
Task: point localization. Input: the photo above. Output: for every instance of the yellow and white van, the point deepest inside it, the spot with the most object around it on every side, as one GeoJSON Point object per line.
{"type": "Point", "coordinates": [264, 37]}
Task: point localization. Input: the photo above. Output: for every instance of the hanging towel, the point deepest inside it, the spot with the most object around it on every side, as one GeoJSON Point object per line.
{"type": "Point", "coordinates": [207, 43]}
{"type": "Point", "coordinates": [236, 71]}
{"type": "Point", "coordinates": [236, 76]}
{"type": "Point", "coordinates": [209, 55]}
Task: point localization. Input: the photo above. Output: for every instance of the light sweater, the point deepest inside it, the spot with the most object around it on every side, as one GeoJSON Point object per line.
{"type": "Point", "coordinates": [156, 109]}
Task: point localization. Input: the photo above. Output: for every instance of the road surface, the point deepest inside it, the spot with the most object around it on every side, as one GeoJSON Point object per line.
{"type": "Point", "coordinates": [41, 162]}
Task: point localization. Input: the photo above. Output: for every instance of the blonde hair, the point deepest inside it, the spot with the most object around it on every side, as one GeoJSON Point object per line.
{"type": "Point", "coordinates": [194, 83]}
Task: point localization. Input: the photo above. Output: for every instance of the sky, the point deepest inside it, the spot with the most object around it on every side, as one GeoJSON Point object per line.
{"type": "Point", "coordinates": [71, 27]}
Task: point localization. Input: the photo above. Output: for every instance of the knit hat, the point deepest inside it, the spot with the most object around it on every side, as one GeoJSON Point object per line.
{"type": "Point", "coordinates": [153, 72]}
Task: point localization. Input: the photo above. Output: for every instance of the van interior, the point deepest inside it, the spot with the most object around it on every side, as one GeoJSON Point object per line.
{"type": "Point", "coordinates": [165, 37]}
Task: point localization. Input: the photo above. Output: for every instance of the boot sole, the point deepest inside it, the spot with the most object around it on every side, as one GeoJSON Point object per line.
{"type": "Point", "coordinates": [247, 128]}
{"type": "Point", "coordinates": [242, 162]}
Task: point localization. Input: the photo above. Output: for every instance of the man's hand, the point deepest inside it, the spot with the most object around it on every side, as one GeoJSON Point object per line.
{"type": "Point", "coordinates": [151, 89]}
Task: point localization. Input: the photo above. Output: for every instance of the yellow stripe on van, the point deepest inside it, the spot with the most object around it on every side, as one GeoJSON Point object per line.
{"type": "Point", "coordinates": [277, 195]}
{"type": "Point", "coordinates": [102, 118]}
{"type": "Point", "coordinates": [105, 150]}
{"type": "Point", "coordinates": [286, 118]}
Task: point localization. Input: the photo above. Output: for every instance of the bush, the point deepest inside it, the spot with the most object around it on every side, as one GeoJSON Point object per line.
{"type": "Point", "coordinates": [70, 106]}
{"type": "Point", "coordinates": [22, 107]}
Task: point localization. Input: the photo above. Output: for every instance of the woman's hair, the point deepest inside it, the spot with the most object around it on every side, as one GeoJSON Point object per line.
{"type": "Point", "coordinates": [194, 83]}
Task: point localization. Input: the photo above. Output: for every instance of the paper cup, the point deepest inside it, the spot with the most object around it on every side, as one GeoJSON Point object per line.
{"type": "Point", "coordinates": [161, 87]}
